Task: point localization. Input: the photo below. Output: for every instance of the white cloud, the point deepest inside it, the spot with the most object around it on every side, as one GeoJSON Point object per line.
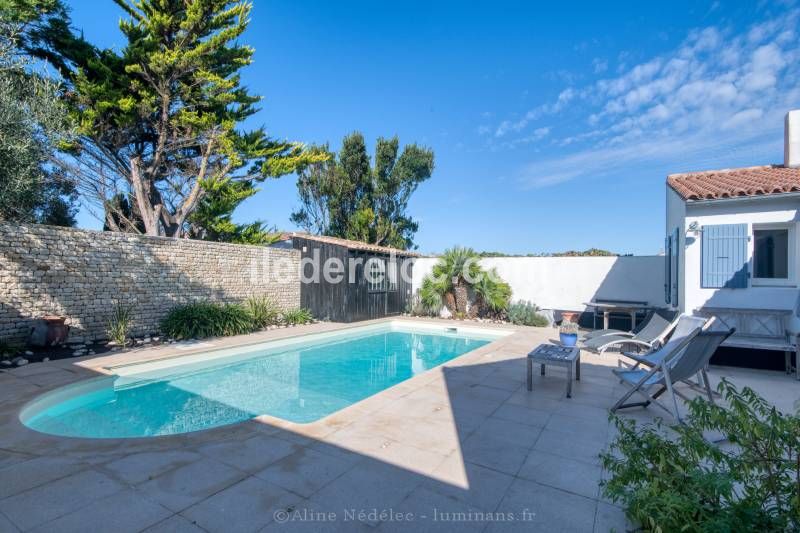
{"type": "Point", "coordinates": [508, 126]}
{"type": "Point", "coordinates": [717, 90]}
{"type": "Point", "coordinates": [743, 118]}
{"type": "Point", "coordinates": [657, 157]}
{"type": "Point", "coordinates": [600, 65]}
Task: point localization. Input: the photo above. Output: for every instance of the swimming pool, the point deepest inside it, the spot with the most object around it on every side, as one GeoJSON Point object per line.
{"type": "Point", "coordinates": [300, 379]}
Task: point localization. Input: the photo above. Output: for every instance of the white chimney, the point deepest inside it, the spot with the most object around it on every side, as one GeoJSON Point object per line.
{"type": "Point", "coordinates": [791, 140]}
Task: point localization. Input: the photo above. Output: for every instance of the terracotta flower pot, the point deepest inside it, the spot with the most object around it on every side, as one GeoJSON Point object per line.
{"type": "Point", "coordinates": [57, 329]}
{"type": "Point", "coordinates": [570, 316]}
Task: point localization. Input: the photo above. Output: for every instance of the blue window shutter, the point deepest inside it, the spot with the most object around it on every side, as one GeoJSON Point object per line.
{"type": "Point", "coordinates": [675, 270]}
{"type": "Point", "coordinates": [724, 256]}
{"type": "Point", "coordinates": [667, 267]}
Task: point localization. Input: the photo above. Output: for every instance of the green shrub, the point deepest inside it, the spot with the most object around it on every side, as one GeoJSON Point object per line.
{"type": "Point", "coordinates": [429, 297]}
{"type": "Point", "coordinates": [200, 320]}
{"type": "Point", "coordinates": [687, 483]}
{"type": "Point", "coordinates": [493, 293]}
{"type": "Point", "coordinates": [297, 316]}
{"type": "Point", "coordinates": [119, 324]}
{"type": "Point", "coordinates": [526, 314]}
{"type": "Point", "coordinates": [9, 349]}
{"type": "Point", "coordinates": [263, 310]}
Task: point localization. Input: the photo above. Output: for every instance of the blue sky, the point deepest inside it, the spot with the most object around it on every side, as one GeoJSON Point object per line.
{"type": "Point", "coordinates": [554, 125]}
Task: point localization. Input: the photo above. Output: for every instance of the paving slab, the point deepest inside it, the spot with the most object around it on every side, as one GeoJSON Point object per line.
{"type": "Point", "coordinates": [562, 473]}
{"type": "Point", "coordinates": [245, 507]}
{"type": "Point", "coordinates": [305, 471]}
{"type": "Point", "coordinates": [6, 526]}
{"type": "Point", "coordinates": [127, 511]}
{"type": "Point", "coordinates": [570, 446]}
{"type": "Point", "coordinates": [477, 485]}
{"type": "Point", "coordinates": [367, 486]}
{"type": "Point", "coordinates": [518, 414]}
{"type": "Point", "coordinates": [174, 524]}
{"type": "Point", "coordinates": [425, 510]}
{"type": "Point", "coordinates": [180, 488]}
{"type": "Point", "coordinates": [26, 475]}
{"type": "Point", "coordinates": [250, 455]}
{"type": "Point", "coordinates": [52, 500]}
{"type": "Point", "coordinates": [140, 467]}
{"type": "Point", "coordinates": [529, 506]}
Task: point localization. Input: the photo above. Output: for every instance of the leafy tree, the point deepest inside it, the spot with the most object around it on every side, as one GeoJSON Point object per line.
{"type": "Point", "coordinates": [213, 220]}
{"type": "Point", "coordinates": [33, 122]}
{"type": "Point", "coordinates": [158, 119]}
{"type": "Point", "coordinates": [122, 215]}
{"type": "Point", "coordinates": [33, 12]}
{"type": "Point", "coordinates": [344, 196]}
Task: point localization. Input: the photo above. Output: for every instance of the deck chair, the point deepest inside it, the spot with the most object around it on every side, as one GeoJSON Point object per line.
{"type": "Point", "coordinates": [683, 358]}
{"type": "Point", "coordinates": [651, 336]}
{"type": "Point", "coordinates": [650, 360]}
{"type": "Point", "coordinates": [667, 314]}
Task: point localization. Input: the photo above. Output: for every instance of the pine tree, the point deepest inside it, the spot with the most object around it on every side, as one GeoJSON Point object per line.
{"type": "Point", "coordinates": [159, 119]}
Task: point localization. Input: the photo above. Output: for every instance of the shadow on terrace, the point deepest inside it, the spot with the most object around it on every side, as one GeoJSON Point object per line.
{"type": "Point", "coordinates": [461, 446]}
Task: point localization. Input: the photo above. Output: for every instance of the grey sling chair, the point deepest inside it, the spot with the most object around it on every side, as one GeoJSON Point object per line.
{"type": "Point", "coordinates": [682, 358]}
{"type": "Point", "coordinates": [667, 314]}
{"type": "Point", "coordinates": [649, 337]}
{"type": "Point", "coordinates": [650, 360]}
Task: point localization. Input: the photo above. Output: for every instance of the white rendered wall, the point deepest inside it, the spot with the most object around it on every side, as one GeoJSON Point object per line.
{"type": "Point", "coordinates": [756, 211]}
{"type": "Point", "coordinates": [566, 283]}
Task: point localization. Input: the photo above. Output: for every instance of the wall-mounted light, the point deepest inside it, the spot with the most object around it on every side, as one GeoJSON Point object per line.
{"type": "Point", "coordinates": [694, 228]}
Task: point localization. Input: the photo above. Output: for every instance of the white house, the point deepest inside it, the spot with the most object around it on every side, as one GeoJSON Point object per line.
{"type": "Point", "coordinates": [732, 246]}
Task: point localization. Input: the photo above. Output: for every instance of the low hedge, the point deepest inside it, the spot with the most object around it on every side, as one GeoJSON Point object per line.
{"type": "Point", "coordinates": [206, 319]}
{"type": "Point", "coordinates": [200, 320]}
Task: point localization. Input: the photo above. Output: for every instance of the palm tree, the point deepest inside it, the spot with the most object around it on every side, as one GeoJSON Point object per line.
{"type": "Point", "coordinates": [493, 294]}
{"type": "Point", "coordinates": [452, 278]}
{"type": "Point", "coordinates": [456, 270]}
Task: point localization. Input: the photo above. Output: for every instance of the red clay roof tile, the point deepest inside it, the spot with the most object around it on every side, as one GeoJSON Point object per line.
{"type": "Point", "coordinates": [736, 182]}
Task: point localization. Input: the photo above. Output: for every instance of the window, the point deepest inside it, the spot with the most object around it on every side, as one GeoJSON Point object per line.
{"type": "Point", "coordinates": [724, 250]}
{"type": "Point", "coordinates": [771, 253]}
{"type": "Point", "coordinates": [376, 275]}
{"type": "Point", "coordinates": [391, 275]}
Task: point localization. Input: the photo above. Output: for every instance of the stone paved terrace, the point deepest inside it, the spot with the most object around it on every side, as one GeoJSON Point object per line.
{"type": "Point", "coordinates": [466, 437]}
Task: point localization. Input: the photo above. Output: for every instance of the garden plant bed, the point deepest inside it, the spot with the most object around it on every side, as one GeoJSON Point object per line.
{"type": "Point", "coordinates": [99, 348]}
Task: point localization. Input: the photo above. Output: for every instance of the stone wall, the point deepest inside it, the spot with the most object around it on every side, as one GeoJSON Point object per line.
{"type": "Point", "coordinates": [82, 275]}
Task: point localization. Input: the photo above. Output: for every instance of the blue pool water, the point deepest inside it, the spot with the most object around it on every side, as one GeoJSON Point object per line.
{"type": "Point", "coordinates": [301, 383]}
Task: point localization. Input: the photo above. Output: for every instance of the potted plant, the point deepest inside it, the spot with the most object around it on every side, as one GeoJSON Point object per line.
{"type": "Point", "coordinates": [568, 333]}
{"type": "Point", "coordinates": [49, 331]}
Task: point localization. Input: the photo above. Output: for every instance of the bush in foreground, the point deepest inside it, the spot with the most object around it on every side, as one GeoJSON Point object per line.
{"type": "Point", "coordinates": [688, 483]}
{"type": "Point", "coordinates": [200, 320]}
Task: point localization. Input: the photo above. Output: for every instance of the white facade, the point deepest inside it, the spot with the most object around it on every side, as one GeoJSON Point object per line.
{"type": "Point", "coordinates": [567, 283]}
{"type": "Point", "coordinates": [758, 213]}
